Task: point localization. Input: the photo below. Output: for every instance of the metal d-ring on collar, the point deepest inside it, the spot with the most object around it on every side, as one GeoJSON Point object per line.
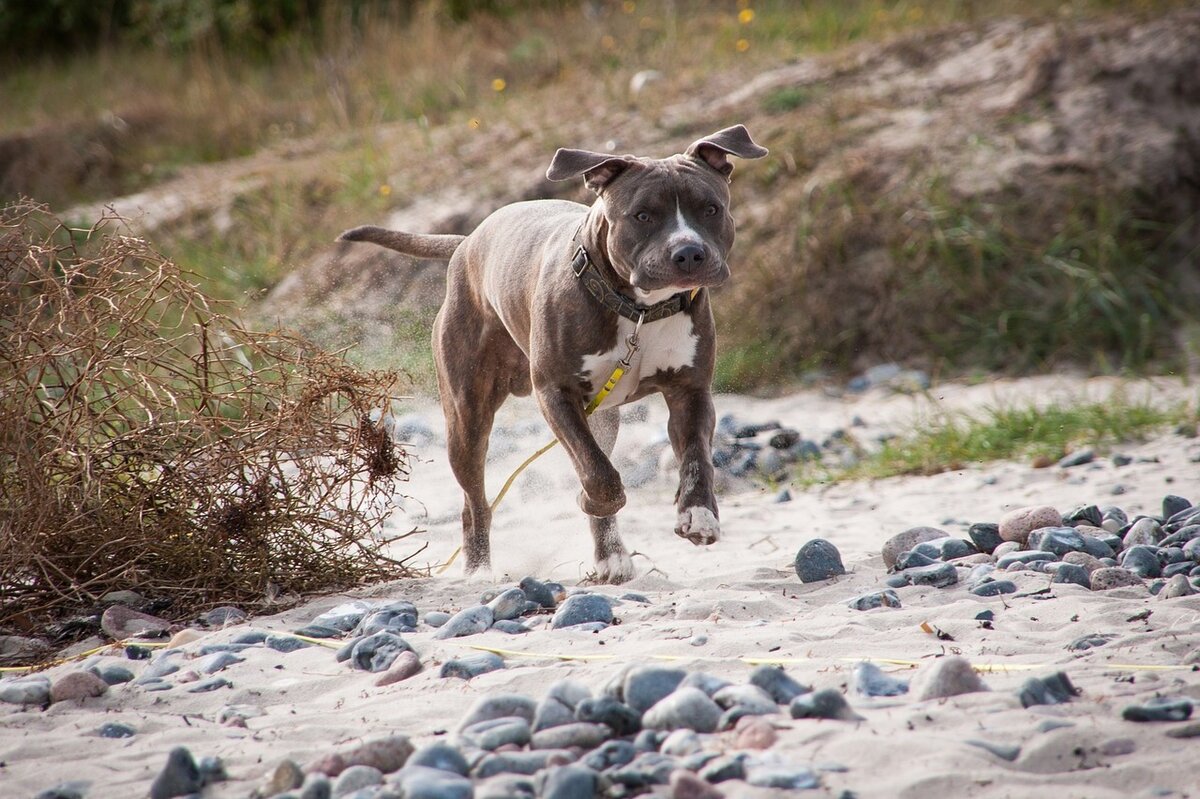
{"type": "Point", "coordinates": [597, 284]}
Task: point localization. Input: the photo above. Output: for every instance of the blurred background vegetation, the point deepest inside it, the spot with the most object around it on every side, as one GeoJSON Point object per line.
{"type": "Point", "coordinates": [255, 130]}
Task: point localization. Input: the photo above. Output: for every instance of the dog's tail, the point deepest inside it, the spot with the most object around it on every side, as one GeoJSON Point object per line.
{"type": "Point", "coordinates": [418, 245]}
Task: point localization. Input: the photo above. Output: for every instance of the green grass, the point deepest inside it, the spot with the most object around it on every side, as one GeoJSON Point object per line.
{"type": "Point", "coordinates": [947, 441]}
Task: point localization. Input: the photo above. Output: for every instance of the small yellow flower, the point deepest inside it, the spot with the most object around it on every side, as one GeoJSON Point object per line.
{"type": "Point", "coordinates": [742, 45]}
{"type": "Point", "coordinates": [499, 84]}
{"type": "Point", "coordinates": [746, 16]}
{"type": "Point", "coordinates": [385, 190]}
{"type": "Point", "coordinates": [915, 13]}
{"type": "Point", "coordinates": [629, 6]}
{"type": "Point", "coordinates": [473, 123]}
{"type": "Point", "coordinates": [608, 42]}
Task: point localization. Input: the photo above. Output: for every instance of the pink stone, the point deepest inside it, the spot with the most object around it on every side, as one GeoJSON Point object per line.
{"type": "Point", "coordinates": [754, 732]}
{"type": "Point", "coordinates": [1016, 525]}
{"type": "Point", "coordinates": [405, 666]}
{"type": "Point", "coordinates": [77, 685]}
{"type": "Point", "coordinates": [120, 622]}
{"type": "Point", "coordinates": [686, 785]}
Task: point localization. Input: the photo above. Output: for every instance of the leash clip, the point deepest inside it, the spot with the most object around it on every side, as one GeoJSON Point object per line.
{"type": "Point", "coordinates": [632, 341]}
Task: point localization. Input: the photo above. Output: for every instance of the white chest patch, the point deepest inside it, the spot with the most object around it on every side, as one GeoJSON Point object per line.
{"type": "Point", "coordinates": [666, 344]}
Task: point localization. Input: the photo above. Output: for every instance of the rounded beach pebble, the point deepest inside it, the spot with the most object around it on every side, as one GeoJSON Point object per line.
{"type": "Point", "coordinates": [1016, 525]}
{"type": "Point", "coordinates": [900, 543]}
{"type": "Point", "coordinates": [945, 677]}
{"type": "Point", "coordinates": [582, 609]}
{"type": "Point", "coordinates": [818, 560]}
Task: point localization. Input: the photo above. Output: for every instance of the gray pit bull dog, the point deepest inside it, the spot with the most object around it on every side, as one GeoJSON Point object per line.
{"type": "Point", "coordinates": [544, 296]}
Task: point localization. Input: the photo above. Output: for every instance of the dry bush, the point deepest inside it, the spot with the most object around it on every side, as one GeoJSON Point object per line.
{"type": "Point", "coordinates": [149, 442]}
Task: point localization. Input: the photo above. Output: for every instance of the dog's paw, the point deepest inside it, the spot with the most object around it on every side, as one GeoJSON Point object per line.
{"type": "Point", "coordinates": [615, 568]}
{"type": "Point", "coordinates": [698, 525]}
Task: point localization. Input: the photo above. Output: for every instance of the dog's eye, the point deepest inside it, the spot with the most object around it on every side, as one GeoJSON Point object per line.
{"type": "Point", "coordinates": [642, 216]}
{"type": "Point", "coordinates": [711, 210]}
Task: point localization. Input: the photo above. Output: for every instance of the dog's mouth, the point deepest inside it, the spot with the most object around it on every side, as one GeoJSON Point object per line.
{"type": "Point", "coordinates": [650, 280]}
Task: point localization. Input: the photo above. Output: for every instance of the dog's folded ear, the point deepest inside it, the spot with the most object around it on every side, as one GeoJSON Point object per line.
{"type": "Point", "coordinates": [715, 148]}
{"type": "Point", "coordinates": [598, 169]}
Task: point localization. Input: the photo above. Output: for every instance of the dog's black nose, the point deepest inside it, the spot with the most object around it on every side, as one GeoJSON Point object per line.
{"type": "Point", "coordinates": [688, 256]}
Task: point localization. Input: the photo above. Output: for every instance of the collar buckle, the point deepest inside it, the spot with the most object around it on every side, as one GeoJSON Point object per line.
{"type": "Point", "coordinates": [579, 261]}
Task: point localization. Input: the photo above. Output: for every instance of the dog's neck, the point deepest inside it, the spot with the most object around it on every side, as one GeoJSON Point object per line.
{"type": "Point", "coordinates": [593, 235]}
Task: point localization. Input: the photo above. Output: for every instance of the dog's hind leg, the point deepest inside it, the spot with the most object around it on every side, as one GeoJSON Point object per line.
{"type": "Point", "coordinates": [613, 564]}
{"type": "Point", "coordinates": [471, 390]}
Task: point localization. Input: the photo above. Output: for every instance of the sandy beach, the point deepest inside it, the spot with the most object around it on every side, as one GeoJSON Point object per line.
{"type": "Point", "coordinates": [721, 610]}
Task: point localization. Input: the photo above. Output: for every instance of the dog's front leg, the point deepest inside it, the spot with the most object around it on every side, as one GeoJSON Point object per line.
{"type": "Point", "coordinates": [602, 494]}
{"type": "Point", "coordinates": [691, 431]}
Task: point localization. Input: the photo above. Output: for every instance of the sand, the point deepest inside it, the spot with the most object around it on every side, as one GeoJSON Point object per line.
{"type": "Point", "coordinates": [743, 601]}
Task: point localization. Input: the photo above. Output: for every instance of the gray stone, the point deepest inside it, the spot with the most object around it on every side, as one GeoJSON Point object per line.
{"type": "Point", "coordinates": [285, 643]}
{"type": "Point", "coordinates": [211, 684]}
{"type": "Point", "coordinates": [356, 778]}
{"type": "Point", "coordinates": [875, 599]}
{"type": "Point", "coordinates": [582, 609]}
{"type": "Point", "coordinates": [468, 621]}
{"type": "Point", "coordinates": [1079, 457]}
{"type": "Point", "coordinates": [609, 754]}
{"type": "Point", "coordinates": [1024, 557]}
{"type": "Point", "coordinates": [179, 777]}
{"type": "Point", "coordinates": [621, 718]}
{"type": "Point", "coordinates": [552, 713]}
{"type": "Point", "coordinates": [218, 661]}
{"type": "Point", "coordinates": [498, 706]}
{"type": "Point", "coordinates": [650, 768]}
{"type": "Point", "coordinates": [570, 782]}
{"type": "Point", "coordinates": [994, 588]}
{"type": "Point", "coordinates": [870, 680]}
{"type": "Point", "coordinates": [681, 743]}
{"type": "Point", "coordinates": [824, 704]}
{"type": "Point", "coordinates": [510, 627]}
{"type": "Point", "coordinates": [420, 782]}
{"type": "Point", "coordinates": [116, 729]}
{"type": "Point", "coordinates": [508, 604]}
{"type": "Point", "coordinates": [1053, 690]}
{"type": "Point", "coordinates": [440, 756]}
{"type": "Point", "coordinates": [794, 778]}
{"type": "Point", "coordinates": [1057, 540]}
{"type": "Point", "coordinates": [1177, 586]}
{"type": "Point", "coordinates": [777, 683]}
{"type": "Point", "coordinates": [721, 769]}
{"type": "Point", "coordinates": [580, 734]}
{"type": "Point", "coordinates": [986, 536]}
{"type": "Point", "coordinates": [31, 690]}
{"type": "Point", "coordinates": [1144, 531]}
{"type": "Point", "coordinates": [706, 682]}
{"type": "Point", "coordinates": [396, 617]}
{"type": "Point", "coordinates": [938, 575]}
{"type": "Point", "coordinates": [1114, 577]}
{"type": "Point", "coordinates": [903, 542]}
{"type": "Point", "coordinates": [1142, 561]}
{"type": "Point", "coordinates": [1084, 514]}
{"type": "Point", "coordinates": [1071, 573]}
{"type": "Point", "coordinates": [686, 708]}
{"type": "Point", "coordinates": [377, 652]}
{"type": "Point", "coordinates": [469, 667]}
{"type": "Point", "coordinates": [1009, 752]}
{"type": "Point", "coordinates": [818, 560]}
{"type": "Point", "coordinates": [74, 789]}
{"type": "Point", "coordinates": [1159, 709]}
{"type": "Point", "coordinates": [646, 685]}
{"type": "Point", "coordinates": [226, 616]}
{"type": "Point", "coordinates": [495, 733]}
{"type": "Point", "coordinates": [316, 786]}
{"type": "Point", "coordinates": [751, 698]}
{"type": "Point", "coordinates": [437, 618]}
{"type": "Point", "coordinates": [344, 617]}
{"type": "Point", "coordinates": [321, 631]}
{"type": "Point", "coordinates": [520, 762]}
{"type": "Point", "coordinates": [538, 592]}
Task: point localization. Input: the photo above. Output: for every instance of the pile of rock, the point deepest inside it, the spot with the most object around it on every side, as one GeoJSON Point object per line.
{"type": "Point", "coordinates": [1096, 547]}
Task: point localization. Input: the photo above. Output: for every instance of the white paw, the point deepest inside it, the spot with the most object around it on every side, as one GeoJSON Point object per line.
{"type": "Point", "coordinates": [699, 526]}
{"type": "Point", "coordinates": [615, 568]}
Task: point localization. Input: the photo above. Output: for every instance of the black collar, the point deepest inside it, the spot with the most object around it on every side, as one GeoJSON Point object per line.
{"type": "Point", "coordinates": [598, 286]}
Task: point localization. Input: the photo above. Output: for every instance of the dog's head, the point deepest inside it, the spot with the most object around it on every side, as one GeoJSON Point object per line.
{"type": "Point", "coordinates": [668, 222]}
